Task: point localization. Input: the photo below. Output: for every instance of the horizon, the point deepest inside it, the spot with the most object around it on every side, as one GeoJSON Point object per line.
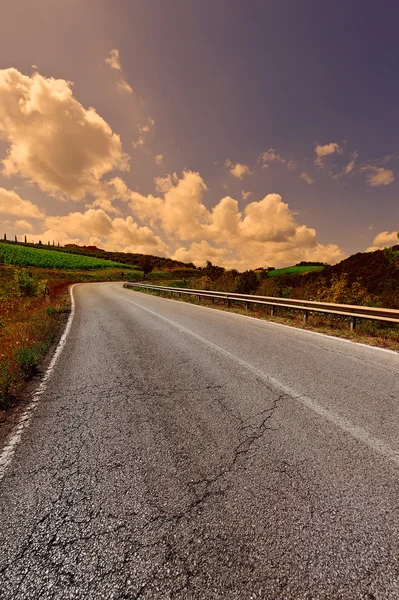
{"type": "Point", "coordinates": [201, 131]}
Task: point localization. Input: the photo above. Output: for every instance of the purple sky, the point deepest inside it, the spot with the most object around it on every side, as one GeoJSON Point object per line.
{"type": "Point", "coordinates": [295, 102]}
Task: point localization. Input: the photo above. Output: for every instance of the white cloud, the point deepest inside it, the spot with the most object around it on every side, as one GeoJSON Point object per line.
{"type": "Point", "coordinates": [351, 164]}
{"type": "Point", "coordinates": [237, 170]}
{"type": "Point", "coordinates": [53, 140]}
{"type": "Point", "coordinates": [266, 228]}
{"type": "Point", "coordinates": [123, 85]}
{"type": "Point", "coordinates": [113, 60]}
{"type": "Point", "coordinates": [246, 195]}
{"type": "Point", "coordinates": [378, 176]}
{"type": "Point", "coordinates": [145, 130]}
{"type": "Point", "coordinates": [383, 240]}
{"type": "Point", "coordinates": [23, 225]}
{"type": "Point", "coordinates": [324, 151]}
{"type": "Point", "coordinates": [271, 156]}
{"type": "Point", "coordinates": [12, 204]}
{"type": "Point", "coordinates": [96, 227]}
{"type": "Point", "coordinates": [307, 178]}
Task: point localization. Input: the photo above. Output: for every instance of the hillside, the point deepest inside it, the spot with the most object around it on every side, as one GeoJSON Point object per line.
{"type": "Point", "coordinates": [49, 258]}
{"type": "Point", "coordinates": [125, 258]}
{"type": "Point", "coordinates": [363, 278]}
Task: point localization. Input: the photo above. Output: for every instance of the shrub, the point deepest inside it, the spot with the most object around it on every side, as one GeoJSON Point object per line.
{"type": "Point", "coordinates": [26, 284]}
{"type": "Point", "coordinates": [6, 383]}
{"type": "Point", "coordinates": [27, 360]}
{"type": "Point", "coordinates": [51, 312]}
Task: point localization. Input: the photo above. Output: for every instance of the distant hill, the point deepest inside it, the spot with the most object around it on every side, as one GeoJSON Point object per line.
{"type": "Point", "coordinates": [122, 258]}
{"type": "Point", "coordinates": [363, 278]}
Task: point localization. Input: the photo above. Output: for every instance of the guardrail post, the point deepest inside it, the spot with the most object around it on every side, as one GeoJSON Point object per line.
{"type": "Point", "coordinates": [228, 301]}
{"type": "Point", "coordinates": [352, 325]}
{"type": "Point", "coordinates": [199, 298]}
{"type": "Point", "coordinates": [213, 300]}
{"type": "Point", "coordinates": [272, 311]}
{"type": "Point", "coordinates": [305, 316]}
{"type": "Point", "coordinates": [247, 305]}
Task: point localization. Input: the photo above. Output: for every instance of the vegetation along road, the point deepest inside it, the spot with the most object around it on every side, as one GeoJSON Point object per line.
{"type": "Point", "coordinates": [181, 452]}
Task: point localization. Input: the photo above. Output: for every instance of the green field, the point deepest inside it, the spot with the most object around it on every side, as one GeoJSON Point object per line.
{"type": "Point", "coordinates": [285, 270]}
{"type": "Point", "coordinates": [13, 254]}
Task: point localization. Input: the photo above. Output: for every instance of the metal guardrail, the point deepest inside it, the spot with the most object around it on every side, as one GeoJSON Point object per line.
{"type": "Point", "coordinates": [345, 310]}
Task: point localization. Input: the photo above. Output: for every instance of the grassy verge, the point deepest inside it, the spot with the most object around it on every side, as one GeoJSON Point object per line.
{"type": "Point", "coordinates": [34, 305]}
{"type": "Point", "coordinates": [372, 333]}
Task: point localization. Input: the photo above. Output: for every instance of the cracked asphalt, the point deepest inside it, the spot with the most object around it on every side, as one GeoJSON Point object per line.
{"type": "Point", "coordinates": [182, 452]}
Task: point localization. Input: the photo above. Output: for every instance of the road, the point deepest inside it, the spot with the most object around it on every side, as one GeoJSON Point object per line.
{"type": "Point", "coordinates": [187, 453]}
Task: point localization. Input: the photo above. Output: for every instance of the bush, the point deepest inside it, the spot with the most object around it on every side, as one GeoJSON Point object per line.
{"type": "Point", "coordinates": [6, 383]}
{"type": "Point", "coordinates": [52, 312]}
{"type": "Point", "coordinates": [27, 360]}
{"type": "Point", "coordinates": [26, 284]}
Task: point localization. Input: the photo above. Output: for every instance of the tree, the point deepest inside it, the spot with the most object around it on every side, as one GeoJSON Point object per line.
{"type": "Point", "coordinates": [213, 271]}
{"type": "Point", "coordinates": [247, 283]}
{"type": "Point", "coordinates": [146, 264]}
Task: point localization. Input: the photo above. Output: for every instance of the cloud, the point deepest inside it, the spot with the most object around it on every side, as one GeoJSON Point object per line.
{"type": "Point", "coordinates": [158, 159]}
{"type": "Point", "coordinates": [12, 204]}
{"type": "Point", "coordinates": [265, 228]}
{"type": "Point", "coordinates": [307, 178]}
{"type": "Point", "coordinates": [237, 170]}
{"type": "Point", "coordinates": [23, 225]}
{"type": "Point", "coordinates": [351, 164]}
{"type": "Point", "coordinates": [53, 140]}
{"type": "Point", "coordinates": [96, 227]}
{"type": "Point", "coordinates": [383, 240]}
{"type": "Point", "coordinates": [145, 130]}
{"type": "Point", "coordinates": [323, 152]}
{"type": "Point", "coordinates": [270, 156]}
{"type": "Point", "coordinates": [113, 60]}
{"type": "Point", "coordinates": [246, 195]}
{"type": "Point", "coordinates": [378, 176]}
{"type": "Point", "coordinates": [123, 85]}
{"type": "Point", "coordinates": [292, 165]}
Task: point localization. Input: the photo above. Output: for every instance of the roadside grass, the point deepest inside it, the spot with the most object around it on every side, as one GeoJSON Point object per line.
{"type": "Point", "coordinates": [372, 333]}
{"type": "Point", "coordinates": [31, 318]}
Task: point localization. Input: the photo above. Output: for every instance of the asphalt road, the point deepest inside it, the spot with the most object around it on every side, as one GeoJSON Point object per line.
{"type": "Point", "coordinates": [182, 452]}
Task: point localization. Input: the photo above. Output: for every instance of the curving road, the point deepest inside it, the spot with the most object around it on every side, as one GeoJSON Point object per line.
{"type": "Point", "coordinates": [182, 452]}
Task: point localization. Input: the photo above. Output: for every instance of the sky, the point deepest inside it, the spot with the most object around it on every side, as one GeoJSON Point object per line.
{"type": "Point", "coordinates": [258, 133]}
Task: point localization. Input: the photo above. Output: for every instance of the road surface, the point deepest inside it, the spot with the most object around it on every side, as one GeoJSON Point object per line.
{"type": "Point", "coordinates": [187, 453]}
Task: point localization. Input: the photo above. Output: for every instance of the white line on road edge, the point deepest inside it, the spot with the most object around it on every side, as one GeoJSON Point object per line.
{"type": "Point", "coordinates": [8, 451]}
{"type": "Point", "coordinates": [358, 433]}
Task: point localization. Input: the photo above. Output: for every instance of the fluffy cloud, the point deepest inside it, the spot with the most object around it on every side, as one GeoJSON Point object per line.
{"type": "Point", "coordinates": [237, 170]}
{"type": "Point", "coordinates": [53, 140]}
{"type": "Point", "coordinates": [95, 227]}
{"type": "Point", "coordinates": [264, 231]}
{"type": "Point", "coordinates": [323, 152]}
{"type": "Point", "coordinates": [113, 60]}
{"type": "Point", "coordinates": [382, 240]}
{"type": "Point", "coordinates": [246, 195]}
{"type": "Point", "coordinates": [378, 176]}
{"type": "Point", "coordinates": [307, 178]}
{"type": "Point", "coordinates": [12, 204]}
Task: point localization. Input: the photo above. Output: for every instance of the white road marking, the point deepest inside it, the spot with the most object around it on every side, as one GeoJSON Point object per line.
{"type": "Point", "coordinates": [8, 451]}
{"type": "Point", "coordinates": [356, 432]}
